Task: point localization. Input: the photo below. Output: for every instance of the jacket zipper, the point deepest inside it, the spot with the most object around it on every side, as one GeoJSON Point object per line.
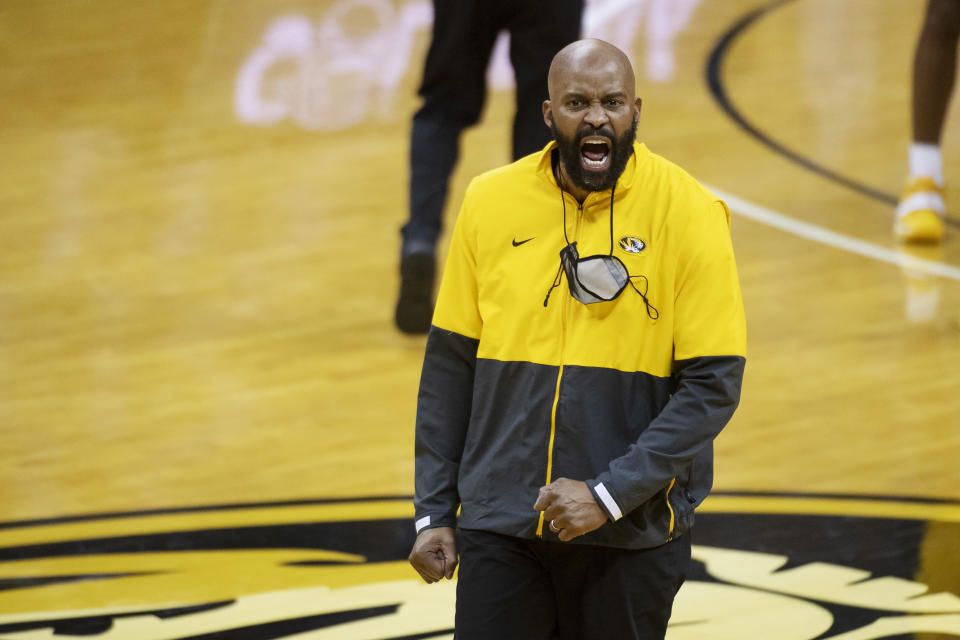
{"type": "Point", "coordinates": [673, 520]}
{"type": "Point", "coordinates": [553, 433]}
{"type": "Point", "coordinates": [565, 305]}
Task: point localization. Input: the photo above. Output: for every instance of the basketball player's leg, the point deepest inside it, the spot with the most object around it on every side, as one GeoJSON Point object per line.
{"type": "Point", "coordinates": [538, 30]}
{"type": "Point", "coordinates": [503, 590]}
{"type": "Point", "coordinates": [920, 213]}
{"type": "Point", "coordinates": [453, 91]}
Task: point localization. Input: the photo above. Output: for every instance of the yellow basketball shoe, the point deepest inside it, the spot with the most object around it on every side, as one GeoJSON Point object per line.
{"type": "Point", "coordinates": [920, 212]}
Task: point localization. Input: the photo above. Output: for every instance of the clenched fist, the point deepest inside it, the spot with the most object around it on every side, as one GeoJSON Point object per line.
{"type": "Point", "coordinates": [434, 554]}
{"type": "Point", "coordinates": [569, 508]}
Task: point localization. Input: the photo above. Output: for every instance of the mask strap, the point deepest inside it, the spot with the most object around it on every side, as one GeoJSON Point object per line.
{"type": "Point", "coordinates": [556, 283]}
{"type": "Point", "coordinates": [557, 279]}
{"type": "Point", "coordinates": [652, 312]}
{"type": "Point", "coordinates": [563, 201]}
{"type": "Point", "coordinates": [613, 192]}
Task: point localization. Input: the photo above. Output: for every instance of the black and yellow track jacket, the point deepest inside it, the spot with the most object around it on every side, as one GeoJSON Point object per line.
{"type": "Point", "coordinates": [515, 394]}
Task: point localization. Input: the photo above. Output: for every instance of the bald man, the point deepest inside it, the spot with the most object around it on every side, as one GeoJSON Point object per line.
{"type": "Point", "coordinates": [587, 347]}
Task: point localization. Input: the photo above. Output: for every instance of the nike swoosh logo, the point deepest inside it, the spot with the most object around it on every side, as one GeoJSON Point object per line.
{"type": "Point", "coordinates": [517, 244]}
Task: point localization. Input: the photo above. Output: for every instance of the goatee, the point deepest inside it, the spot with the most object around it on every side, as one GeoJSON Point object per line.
{"type": "Point", "coordinates": [570, 156]}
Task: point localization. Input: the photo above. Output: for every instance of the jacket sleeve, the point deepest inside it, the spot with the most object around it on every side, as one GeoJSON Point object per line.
{"type": "Point", "coordinates": [446, 382]}
{"type": "Point", "coordinates": [709, 357]}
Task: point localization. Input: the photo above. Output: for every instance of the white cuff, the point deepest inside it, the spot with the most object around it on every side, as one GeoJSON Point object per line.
{"type": "Point", "coordinates": [421, 523]}
{"type": "Point", "coordinates": [608, 501]}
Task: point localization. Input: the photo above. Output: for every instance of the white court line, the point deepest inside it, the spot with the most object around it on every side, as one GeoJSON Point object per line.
{"type": "Point", "coordinates": [831, 238]}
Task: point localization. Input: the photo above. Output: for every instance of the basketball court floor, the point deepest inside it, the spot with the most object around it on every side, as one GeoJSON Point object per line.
{"type": "Point", "coordinates": [206, 412]}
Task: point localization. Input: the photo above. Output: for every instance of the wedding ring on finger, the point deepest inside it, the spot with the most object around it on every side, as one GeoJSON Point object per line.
{"type": "Point", "coordinates": [554, 527]}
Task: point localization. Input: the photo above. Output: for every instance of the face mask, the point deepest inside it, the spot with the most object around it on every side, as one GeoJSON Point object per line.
{"type": "Point", "coordinates": [596, 278]}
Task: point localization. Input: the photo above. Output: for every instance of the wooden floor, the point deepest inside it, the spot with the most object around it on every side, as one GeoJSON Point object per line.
{"type": "Point", "coordinates": [199, 213]}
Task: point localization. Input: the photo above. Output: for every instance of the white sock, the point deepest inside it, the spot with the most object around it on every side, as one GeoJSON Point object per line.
{"type": "Point", "coordinates": [926, 161]}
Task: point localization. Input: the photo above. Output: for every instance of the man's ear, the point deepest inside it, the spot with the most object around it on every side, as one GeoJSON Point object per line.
{"type": "Point", "coordinates": [547, 113]}
{"type": "Point", "coordinates": [637, 104]}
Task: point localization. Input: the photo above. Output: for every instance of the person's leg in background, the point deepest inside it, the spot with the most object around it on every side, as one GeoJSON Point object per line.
{"type": "Point", "coordinates": [920, 213]}
{"type": "Point", "coordinates": [453, 91]}
{"type": "Point", "coordinates": [538, 30]}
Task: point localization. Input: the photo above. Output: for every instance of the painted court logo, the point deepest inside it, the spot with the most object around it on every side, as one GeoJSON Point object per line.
{"type": "Point", "coordinates": [765, 567]}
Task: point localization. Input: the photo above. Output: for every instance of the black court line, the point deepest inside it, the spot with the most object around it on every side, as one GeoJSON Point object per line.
{"type": "Point", "coordinates": [111, 515]}
{"type": "Point", "coordinates": [409, 498]}
{"type": "Point", "coordinates": [865, 497]}
{"type": "Point", "coordinates": [714, 77]}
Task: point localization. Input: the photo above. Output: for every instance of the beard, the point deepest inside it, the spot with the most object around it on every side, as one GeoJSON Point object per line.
{"type": "Point", "coordinates": [582, 178]}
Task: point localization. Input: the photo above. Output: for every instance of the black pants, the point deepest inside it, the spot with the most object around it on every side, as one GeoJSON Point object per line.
{"type": "Point", "coordinates": [517, 589]}
{"type": "Point", "coordinates": [454, 87]}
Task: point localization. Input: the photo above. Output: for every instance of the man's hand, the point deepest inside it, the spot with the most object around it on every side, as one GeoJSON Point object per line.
{"type": "Point", "coordinates": [569, 508]}
{"type": "Point", "coordinates": [434, 554]}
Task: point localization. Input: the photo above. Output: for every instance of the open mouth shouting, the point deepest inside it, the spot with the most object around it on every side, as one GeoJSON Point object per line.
{"type": "Point", "coordinates": [595, 153]}
{"type": "Point", "coordinates": [594, 158]}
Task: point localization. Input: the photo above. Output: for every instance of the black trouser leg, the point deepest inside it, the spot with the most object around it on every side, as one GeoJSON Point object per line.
{"type": "Point", "coordinates": [503, 590]}
{"type": "Point", "coordinates": [537, 32]}
{"type": "Point", "coordinates": [433, 154]}
{"type": "Point", "coordinates": [626, 594]}
{"type": "Point", "coordinates": [512, 588]}
{"type": "Point", "coordinates": [453, 91]}
{"type": "Point", "coordinates": [454, 88]}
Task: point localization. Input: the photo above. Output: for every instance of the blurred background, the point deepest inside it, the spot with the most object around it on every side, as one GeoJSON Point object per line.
{"type": "Point", "coordinates": [200, 206]}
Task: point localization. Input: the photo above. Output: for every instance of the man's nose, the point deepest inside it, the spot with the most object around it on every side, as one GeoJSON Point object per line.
{"type": "Point", "coordinates": [596, 116]}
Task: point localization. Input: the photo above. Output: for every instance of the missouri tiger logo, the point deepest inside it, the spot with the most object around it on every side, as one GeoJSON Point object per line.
{"type": "Point", "coordinates": [632, 244]}
{"type": "Point", "coordinates": [765, 567]}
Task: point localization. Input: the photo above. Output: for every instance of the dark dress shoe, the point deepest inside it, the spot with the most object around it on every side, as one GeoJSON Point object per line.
{"type": "Point", "coordinates": [415, 304]}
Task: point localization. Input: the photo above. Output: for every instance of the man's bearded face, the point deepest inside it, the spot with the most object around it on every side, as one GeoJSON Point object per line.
{"type": "Point", "coordinates": [594, 158]}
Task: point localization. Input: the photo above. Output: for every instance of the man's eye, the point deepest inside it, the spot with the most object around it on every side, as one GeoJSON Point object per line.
{"type": "Point", "coordinates": [575, 103]}
{"type": "Point", "coordinates": [615, 102]}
